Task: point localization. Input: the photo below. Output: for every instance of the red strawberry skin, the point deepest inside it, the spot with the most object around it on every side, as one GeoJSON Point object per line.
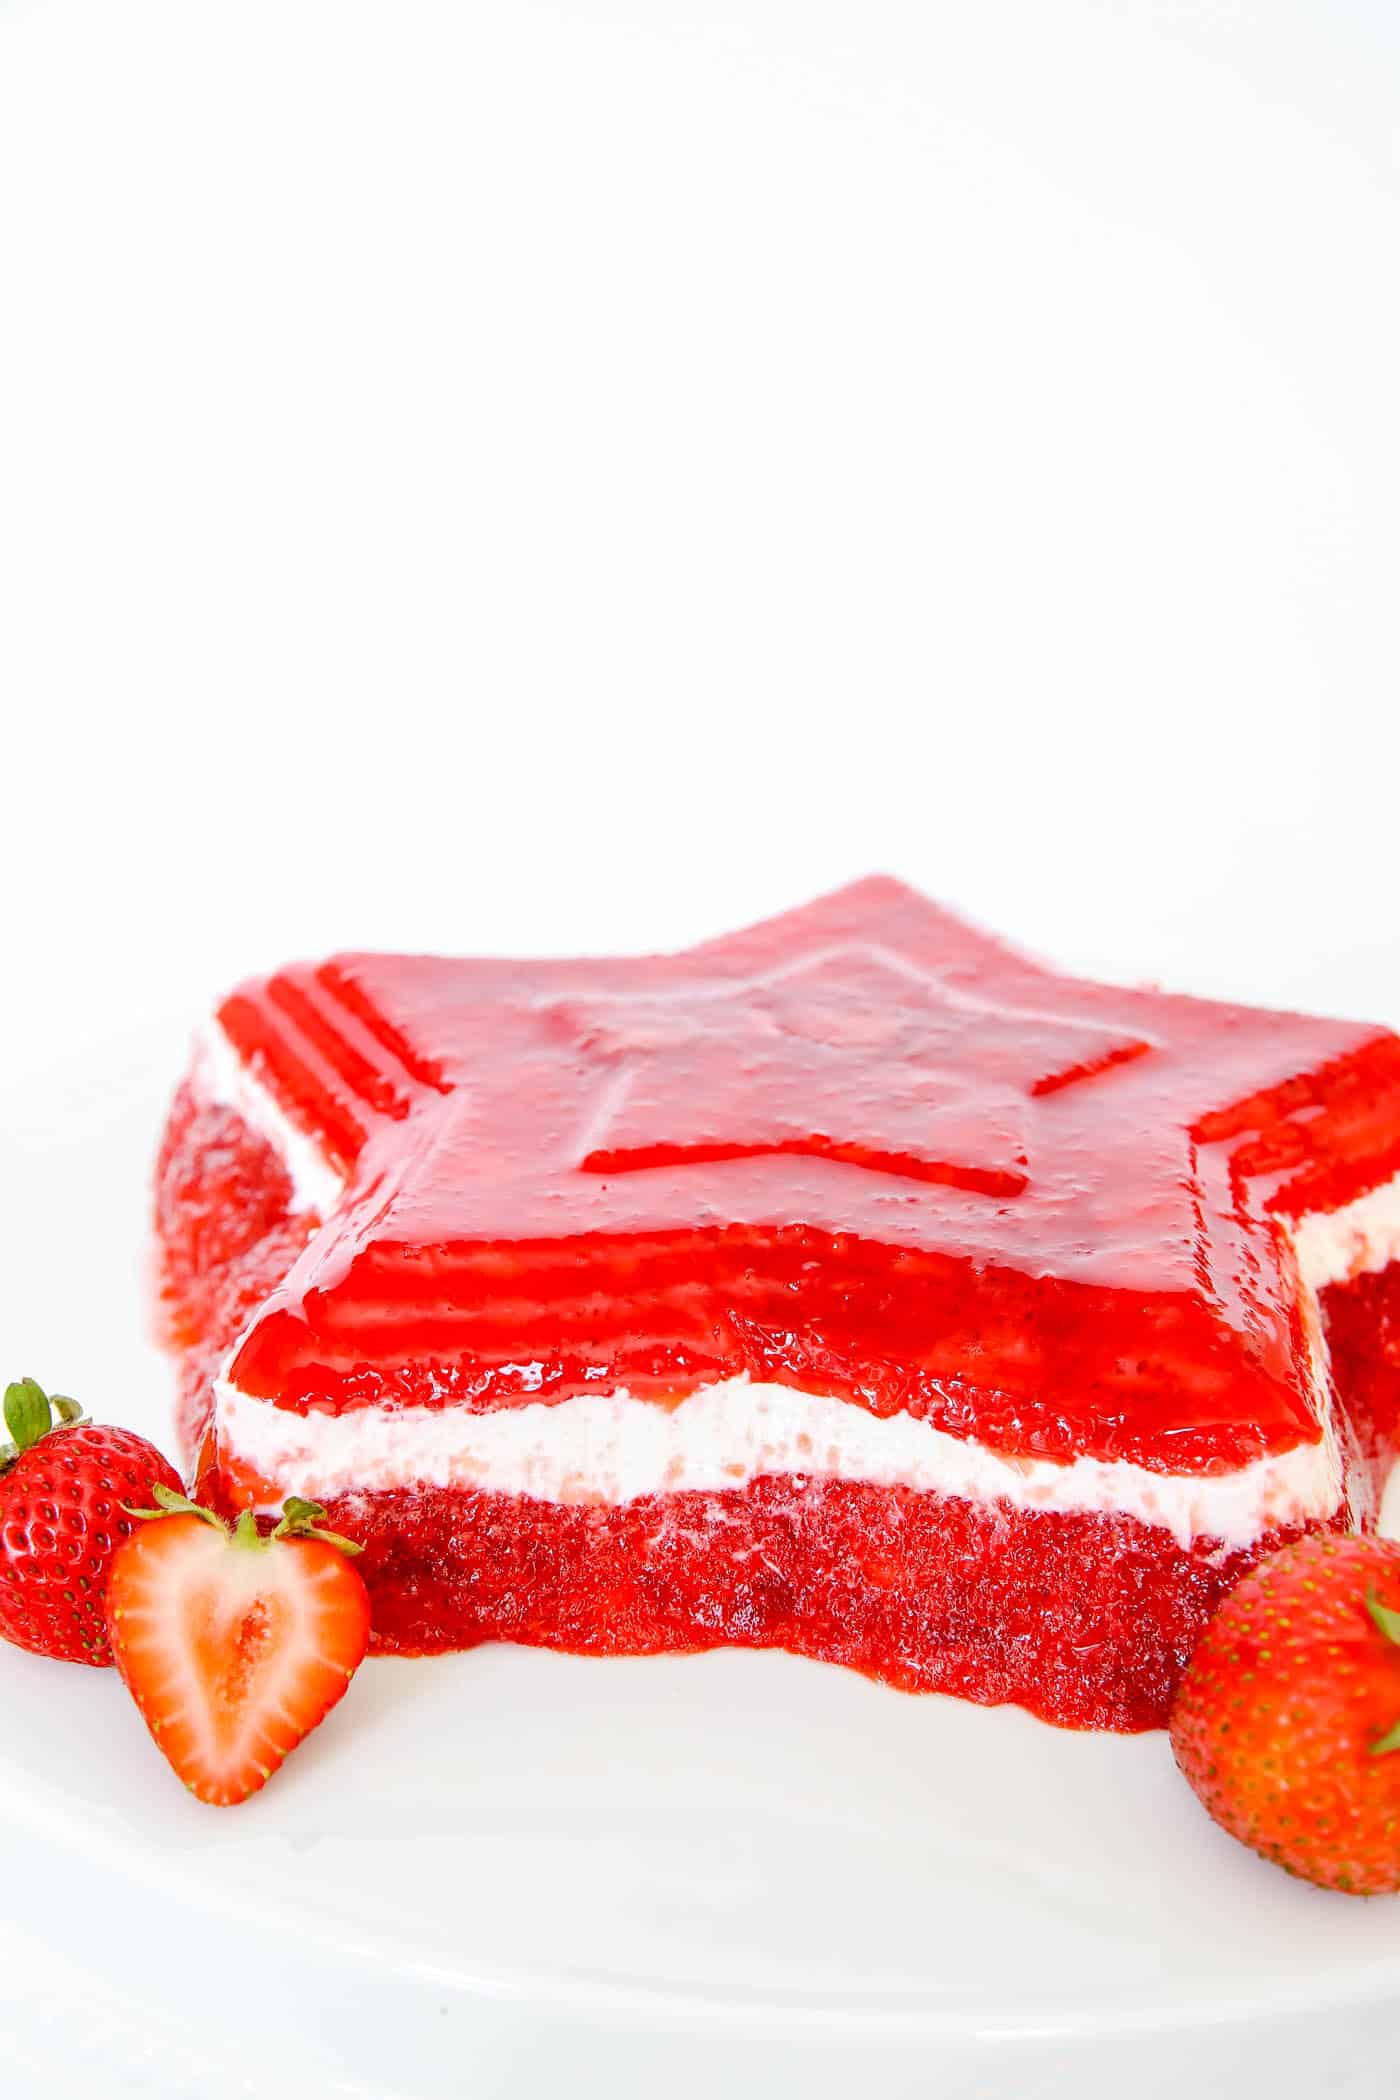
{"type": "Point", "coordinates": [233, 1647]}
{"type": "Point", "coordinates": [61, 1521]}
{"type": "Point", "coordinates": [1278, 1715]}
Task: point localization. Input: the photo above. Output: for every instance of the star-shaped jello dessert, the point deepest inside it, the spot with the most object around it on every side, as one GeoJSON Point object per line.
{"type": "Point", "coordinates": [851, 1285]}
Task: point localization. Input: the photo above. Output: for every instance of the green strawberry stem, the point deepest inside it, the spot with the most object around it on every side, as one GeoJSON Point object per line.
{"type": "Point", "coordinates": [302, 1520]}
{"type": "Point", "coordinates": [1386, 1622]}
{"type": "Point", "coordinates": [1384, 1619]}
{"type": "Point", "coordinates": [173, 1505]}
{"type": "Point", "coordinates": [299, 1520]}
{"type": "Point", "coordinates": [29, 1413]}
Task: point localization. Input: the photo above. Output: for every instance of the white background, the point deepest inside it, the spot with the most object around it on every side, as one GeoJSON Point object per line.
{"type": "Point", "coordinates": [519, 476]}
{"type": "Point", "coordinates": [568, 476]}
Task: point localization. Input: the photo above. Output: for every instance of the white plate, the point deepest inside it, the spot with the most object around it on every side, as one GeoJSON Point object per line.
{"type": "Point", "coordinates": [496, 1872]}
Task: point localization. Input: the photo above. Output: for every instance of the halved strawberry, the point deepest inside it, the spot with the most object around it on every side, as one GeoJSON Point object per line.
{"type": "Point", "coordinates": [234, 1645]}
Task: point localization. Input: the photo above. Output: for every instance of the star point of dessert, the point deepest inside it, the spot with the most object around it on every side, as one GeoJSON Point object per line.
{"type": "Point", "coordinates": [851, 1284]}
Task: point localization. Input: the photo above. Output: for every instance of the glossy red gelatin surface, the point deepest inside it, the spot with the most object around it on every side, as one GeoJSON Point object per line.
{"type": "Point", "coordinates": [862, 1149]}
{"type": "Point", "coordinates": [1363, 1339]}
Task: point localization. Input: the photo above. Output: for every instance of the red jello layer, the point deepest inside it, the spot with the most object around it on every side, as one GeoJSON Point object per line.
{"type": "Point", "coordinates": [862, 1149]}
{"type": "Point", "coordinates": [1086, 1621]}
{"type": "Point", "coordinates": [226, 1234]}
{"type": "Point", "coordinates": [1362, 1319]}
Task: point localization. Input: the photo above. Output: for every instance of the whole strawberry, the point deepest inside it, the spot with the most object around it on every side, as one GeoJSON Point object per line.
{"type": "Point", "coordinates": [1287, 1721]}
{"type": "Point", "coordinates": [63, 1488]}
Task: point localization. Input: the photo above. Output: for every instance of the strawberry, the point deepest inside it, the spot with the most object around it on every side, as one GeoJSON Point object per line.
{"type": "Point", "coordinates": [1287, 1720]}
{"type": "Point", "coordinates": [62, 1494]}
{"type": "Point", "coordinates": [234, 1644]}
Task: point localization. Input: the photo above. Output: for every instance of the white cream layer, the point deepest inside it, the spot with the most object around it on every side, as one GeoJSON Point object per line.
{"type": "Point", "coordinates": [611, 1447]}
{"type": "Point", "coordinates": [220, 1075]}
{"type": "Point", "coordinates": [1388, 1520]}
{"type": "Point", "coordinates": [1333, 1246]}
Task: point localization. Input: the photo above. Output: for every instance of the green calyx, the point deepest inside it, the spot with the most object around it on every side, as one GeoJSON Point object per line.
{"type": "Point", "coordinates": [29, 1415]}
{"type": "Point", "coordinates": [1387, 1624]}
{"type": "Point", "coordinates": [172, 1504]}
{"type": "Point", "coordinates": [299, 1520]}
{"type": "Point", "coordinates": [302, 1520]}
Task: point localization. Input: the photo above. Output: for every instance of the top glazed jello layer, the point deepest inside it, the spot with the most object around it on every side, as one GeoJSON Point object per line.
{"type": "Point", "coordinates": [861, 1149]}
